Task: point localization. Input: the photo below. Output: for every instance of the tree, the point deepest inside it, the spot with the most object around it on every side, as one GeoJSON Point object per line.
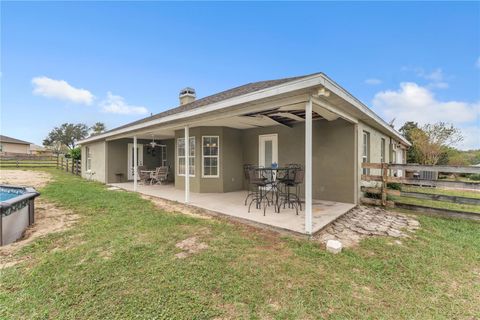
{"type": "Point", "coordinates": [406, 131]}
{"type": "Point", "coordinates": [432, 140]}
{"type": "Point", "coordinates": [98, 128]}
{"type": "Point", "coordinates": [66, 135]}
{"type": "Point", "coordinates": [76, 153]}
{"type": "Point", "coordinates": [57, 148]}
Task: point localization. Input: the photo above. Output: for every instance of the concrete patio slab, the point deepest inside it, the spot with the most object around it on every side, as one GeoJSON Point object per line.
{"type": "Point", "coordinates": [232, 204]}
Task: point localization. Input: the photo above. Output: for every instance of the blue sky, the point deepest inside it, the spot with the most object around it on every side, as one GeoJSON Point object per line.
{"type": "Point", "coordinates": [116, 62]}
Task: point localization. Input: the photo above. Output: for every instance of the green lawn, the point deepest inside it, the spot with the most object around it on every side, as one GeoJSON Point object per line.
{"type": "Point", "coordinates": [119, 262]}
{"type": "Point", "coordinates": [447, 192]}
{"type": "Point", "coordinates": [438, 204]}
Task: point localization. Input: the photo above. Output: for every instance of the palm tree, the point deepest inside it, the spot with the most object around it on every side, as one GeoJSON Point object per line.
{"type": "Point", "coordinates": [98, 128]}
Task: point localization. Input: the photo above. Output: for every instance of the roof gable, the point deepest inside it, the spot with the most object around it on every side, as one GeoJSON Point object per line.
{"type": "Point", "coordinates": [6, 139]}
{"type": "Point", "coordinates": [224, 95]}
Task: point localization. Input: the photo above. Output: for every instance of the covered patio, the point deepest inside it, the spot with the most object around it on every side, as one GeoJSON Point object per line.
{"type": "Point", "coordinates": [231, 204]}
{"type": "Point", "coordinates": [301, 129]}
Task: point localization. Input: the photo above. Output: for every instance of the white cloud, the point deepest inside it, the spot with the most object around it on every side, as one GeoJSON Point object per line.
{"type": "Point", "coordinates": [471, 138]}
{"type": "Point", "coordinates": [436, 75]}
{"type": "Point", "coordinates": [60, 89]}
{"type": "Point", "coordinates": [373, 81]}
{"type": "Point", "coordinates": [117, 104]}
{"type": "Point", "coordinates": [436, 78]}
{"type": "Point", "coordinates": [412, 102]}
{"type": "Point", "coordinates": [438, 85]}
{"type": "Point", "coordinates": [477, 63]}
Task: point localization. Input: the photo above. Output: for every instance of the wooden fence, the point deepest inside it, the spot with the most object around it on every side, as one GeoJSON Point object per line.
{"type": "Point", "coordinates": [385, 177]}
{"type": "Point", "coordinates": [30, 161]}
{"type": "Point", "coordinates": [70, 165]}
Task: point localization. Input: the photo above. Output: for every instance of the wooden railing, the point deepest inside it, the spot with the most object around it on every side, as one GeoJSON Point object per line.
{"type": "Point", "coordinates": [70, 165]}
{"type": "Point", "coordinates": [386, 176]}
{"type": "Point", "coordinates": [28, 161]}
{"type": "Point", "coordinates": [31, 161]}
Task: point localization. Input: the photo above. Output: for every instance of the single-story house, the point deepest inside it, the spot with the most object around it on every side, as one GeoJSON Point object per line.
{"type": "Point", "coordinates": [40, 151]}
{"type": "Point", "coordinates": [309, 120]}
{"type": "Point", "coordinates": [10, 145]}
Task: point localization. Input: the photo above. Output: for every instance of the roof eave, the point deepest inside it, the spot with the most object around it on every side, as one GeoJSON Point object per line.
{"type": "Point", "coordinates": [299, 84]}
{"type": "Point", "coordinates": [294, 85]}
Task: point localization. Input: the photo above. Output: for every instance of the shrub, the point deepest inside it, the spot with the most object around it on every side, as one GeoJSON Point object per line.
{"type": "Point", "coordinates": [76, 153]}
{"type": "Point", "coordinates": [475, 177]}
{"type": "Point", "coordinates": [394, 186]}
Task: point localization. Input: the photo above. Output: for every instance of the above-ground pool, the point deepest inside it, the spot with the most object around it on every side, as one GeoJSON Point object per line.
{"type": "Point", "coordinates": [17, 211]}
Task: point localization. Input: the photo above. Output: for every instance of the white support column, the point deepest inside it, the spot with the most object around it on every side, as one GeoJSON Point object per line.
{"type": "Point", "coordinates": [308, 167]}
{"type": "Point", "coordinates": [135, 164]}
{"type": "Point", "coordinates": [187, 165]}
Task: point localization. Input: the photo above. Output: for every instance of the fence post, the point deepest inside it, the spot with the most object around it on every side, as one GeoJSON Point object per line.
{"type": "Point", "coordinates": [76, 166]}
{"type": "Point", "coordinates": [384, 183]}
{"type": "Point", "coordinates": [57, 160]}
{"type": "Point", "coordinates": [61, 166]}
{"type": "Point", "coordinates": [17, 163]}
{"type": "Point", "coordinates": [66, 168]}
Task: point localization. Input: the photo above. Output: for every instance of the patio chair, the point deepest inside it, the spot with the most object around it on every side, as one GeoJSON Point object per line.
{"type": "Point", "coordinates": [143, 176]}
{"type": "Point", "coordinates": [292, 179]}
{"type": "Point", "coordinates": [260, 188]}
{"type": "Point", "coordinates": [159, 176]}
{"type": "Point", "coordinates": [251, 192]}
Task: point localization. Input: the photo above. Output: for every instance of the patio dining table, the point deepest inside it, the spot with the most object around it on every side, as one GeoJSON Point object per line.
{"type": "Point", "coordinates": [149, 172]}
{"type": "Point", "coordinates": [271, 174]}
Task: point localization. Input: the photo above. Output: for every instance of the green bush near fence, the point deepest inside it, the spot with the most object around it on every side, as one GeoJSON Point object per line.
{"type": "Point", "coordinates": [475, 177]}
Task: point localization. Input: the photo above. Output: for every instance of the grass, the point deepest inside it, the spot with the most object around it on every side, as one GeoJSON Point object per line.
{"type": "Point", "coordinates": [118, 262]}
{"type": "Point", "coordinates": [446, 192]}
{"type": "Point", "coordinates": [438, 204]}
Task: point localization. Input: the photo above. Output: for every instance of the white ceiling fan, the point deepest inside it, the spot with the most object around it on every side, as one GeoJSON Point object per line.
{"type": "Point", "coordinates": [153, 144]}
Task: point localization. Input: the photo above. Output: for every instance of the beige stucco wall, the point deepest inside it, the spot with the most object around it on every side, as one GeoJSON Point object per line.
{"type": "Point", "coordinates": [15, 147]}
{"type": "Point", "coordinates": [333, 155]}
{"type": "Point", "coordinates": [230, 161]}
{"type": "Point", "coordinates": [337, 157]}
{"type": "Point", "coordinates": [375, 151]}
{"type": "Point", "coordinates": [118, 158]}
{"type": "Point", "coordinates": [99, 160]}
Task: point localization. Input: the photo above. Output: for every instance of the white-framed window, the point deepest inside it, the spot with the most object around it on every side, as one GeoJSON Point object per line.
{"type": "Point", "coordinates": [210, 156]}
{"type": "Point", "coordinates": [382, 150]}
{"type": "Point", "coordinates": [366, 150]}
{"type": "Point", "coordinates": [88, 162]}
{"type": "Point", "coordinates": [181, 157]}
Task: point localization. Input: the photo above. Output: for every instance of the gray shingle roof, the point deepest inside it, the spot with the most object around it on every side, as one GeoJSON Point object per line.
{"type": "Point", "coordinates": [224, 95]}
{"type": "Point", "coordinates": [12, 140]}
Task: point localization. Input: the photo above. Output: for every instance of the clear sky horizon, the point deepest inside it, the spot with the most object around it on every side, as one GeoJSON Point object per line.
{"type": "Point", "coordinates": [116, 62]}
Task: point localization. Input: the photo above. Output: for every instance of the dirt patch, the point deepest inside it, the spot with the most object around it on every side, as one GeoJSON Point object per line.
{"type": "Point", "coordinates": [362, 222]}
{"type": "Point", "coordinates": [49, 218]}
{"type": "Point", "coordinates": [172, 206]}
{"type": "Point", "coordinates": [36, 179]}
{"type": "Point", "coordinates": [190, 246]}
